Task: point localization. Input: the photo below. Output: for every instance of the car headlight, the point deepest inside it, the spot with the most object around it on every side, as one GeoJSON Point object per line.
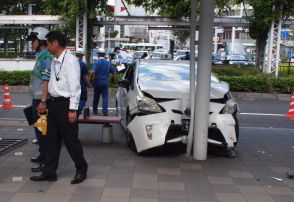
{"type": "Point", "coordinates": [148, 105]}
{"type": "Point", "coordinates": [230, 108]}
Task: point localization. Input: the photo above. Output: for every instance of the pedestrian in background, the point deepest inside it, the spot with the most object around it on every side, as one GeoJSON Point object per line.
{"type": "Point", "coordinates": [85, 80]}
{"type": "Point", "coordinates": [39, 87]}
{"type": "Point", "coordinates": [102, 68]}
{"type": "Point", "coordinates": [64, 90]}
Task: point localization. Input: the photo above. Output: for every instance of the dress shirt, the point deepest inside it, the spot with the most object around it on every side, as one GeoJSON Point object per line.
{"type": "Point", "coordinates": [67, 68]}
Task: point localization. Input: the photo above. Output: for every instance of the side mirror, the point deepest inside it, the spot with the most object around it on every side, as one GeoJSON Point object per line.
{"type": "Point", "coordinates": [124, 84]}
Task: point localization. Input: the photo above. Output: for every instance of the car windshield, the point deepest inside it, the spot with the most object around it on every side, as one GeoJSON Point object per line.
{"type": "Point", "coordinates": [139, 54]}
{"type": "Point", "coordinates": [167, 72]}
{"type": "Point", "coordinates": [156, 55]}
{"type": "Point", "coordinates": [181, 53]}
{"type": "Point", "coordinates": [248, 57]}
{"type": "Point", "coordinates": [236, 57]}
{"type": "Point", "coordinates": [218, 57]}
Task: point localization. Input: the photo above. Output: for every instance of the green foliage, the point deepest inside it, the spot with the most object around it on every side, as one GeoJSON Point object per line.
{"type": "Point", "coordinates": [234, 71]}
{"type": "Point", "coordinates": [113, 34]}
{"type": "Point", "coordinates": [248, 83]}
{"type": "Point", "coordinates": [15, 77]}
{"type": "Point", "coordinates": [251, 80]}
{"type": "Point", "coordinates": [284, 84]}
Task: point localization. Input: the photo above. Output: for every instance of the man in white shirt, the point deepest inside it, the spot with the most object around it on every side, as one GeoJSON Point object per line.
{"type": "Point", "coordinates": [64, 90]}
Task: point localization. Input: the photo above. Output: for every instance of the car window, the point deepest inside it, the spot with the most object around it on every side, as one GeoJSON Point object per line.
{"type": "Point", "coordinates": [129, 75]}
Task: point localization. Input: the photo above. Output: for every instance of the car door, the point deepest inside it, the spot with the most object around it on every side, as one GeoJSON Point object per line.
{"type": "Point", "coordinates": [123, 94]}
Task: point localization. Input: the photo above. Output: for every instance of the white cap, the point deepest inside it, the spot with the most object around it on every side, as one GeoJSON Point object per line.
{"type": "Point", "coordinates": [39, 33]}
{"type": "Point", "coordinates": [101, 50]}
{"type": "Point", "coordinates": [80, 51]}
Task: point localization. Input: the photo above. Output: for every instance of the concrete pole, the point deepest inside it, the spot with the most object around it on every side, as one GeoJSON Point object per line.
{"type": "Point", "coordinates": [85, 35]}
{"type": "Point", "coordinates": [215, 40]}
{"type": "Point", "coordinates": [102, 34]}
{"type": "Point", "coordinates": [77, 33]}
{"type": "Point", "coordinates": [270, 49]}
{"type": "Point", "coordinates": [192, 75]}
{"type": "Point", "coordinates": [108, 42]}
{"type": "Point", "coordinates": [85, 32]}
{"type": "Point", "coordinates": [233, 40]}
{"type": "Point", "coordinates": [30, 12]}
{"type": "Point", "coordinates": [203, 80]}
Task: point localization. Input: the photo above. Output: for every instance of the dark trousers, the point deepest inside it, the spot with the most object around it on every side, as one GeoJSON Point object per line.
{"type": "Point", "coordinates": [59, 128]}
{"type": "Point", "coordinates": [98, 90]}
{"type": "Point", "coordinates": [39, 136]}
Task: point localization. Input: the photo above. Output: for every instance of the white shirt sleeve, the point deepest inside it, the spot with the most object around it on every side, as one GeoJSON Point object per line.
{"type": "Point", "coordinates": [73, 76]}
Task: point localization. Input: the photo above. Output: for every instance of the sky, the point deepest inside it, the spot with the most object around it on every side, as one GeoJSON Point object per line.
{"type": "Point", "coordinates": [111, 2]}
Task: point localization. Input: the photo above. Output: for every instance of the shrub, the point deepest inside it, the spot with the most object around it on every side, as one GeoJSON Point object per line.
{"type": "Point", "coordinates": [234, 70]}
{"type": "Point", "coordinates": [15, 77]}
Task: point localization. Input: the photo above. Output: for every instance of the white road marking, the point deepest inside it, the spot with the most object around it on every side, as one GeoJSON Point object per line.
{"type": "Point", "coordinates": [262, 114]}
{"type": "Point", "coordinates": [23, 106]}
{"type": "Point", "coordinates": [266, 128]}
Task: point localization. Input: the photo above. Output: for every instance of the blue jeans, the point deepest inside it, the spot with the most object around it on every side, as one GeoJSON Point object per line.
{"type": "Point", "coordinates": [39, 136]}
{"type": "Point", "coordinates": [82, 105]}
{"type": "Point", "coordinates": [98, 90]}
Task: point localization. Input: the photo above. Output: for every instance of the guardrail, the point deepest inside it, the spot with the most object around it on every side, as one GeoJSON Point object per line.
{"type": "Point", "coordinates": [17, 64]}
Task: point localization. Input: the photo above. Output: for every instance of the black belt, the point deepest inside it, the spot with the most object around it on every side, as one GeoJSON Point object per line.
{"type": "Point", "coordinates": [58, 99]}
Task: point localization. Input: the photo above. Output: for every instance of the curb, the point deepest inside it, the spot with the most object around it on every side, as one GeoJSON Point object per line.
{"type": "Point", "coordinates": [261, 96]}
{"type": "Point", "coordinates": [237, 95]}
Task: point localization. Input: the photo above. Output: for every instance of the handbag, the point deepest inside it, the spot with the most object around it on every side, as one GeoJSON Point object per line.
{"type": "Point", "coordinates": [28, 111]}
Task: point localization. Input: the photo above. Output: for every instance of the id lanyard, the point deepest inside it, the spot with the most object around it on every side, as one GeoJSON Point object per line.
{"type": "Point", "coordinates": [57, 74]}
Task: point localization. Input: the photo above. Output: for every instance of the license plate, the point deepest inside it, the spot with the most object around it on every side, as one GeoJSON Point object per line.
{"type": "Point", "coordinates": [185, 125]}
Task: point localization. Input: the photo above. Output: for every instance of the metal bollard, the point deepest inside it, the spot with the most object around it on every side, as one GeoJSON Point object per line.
{"type": "Point", "coordinates": [106, 134]}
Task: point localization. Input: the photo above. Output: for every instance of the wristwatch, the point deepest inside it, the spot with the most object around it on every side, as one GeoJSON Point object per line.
{"type": "Point", "coordinates": [43, 102]}
{"type": "Point", "coordinates": [72, 110]}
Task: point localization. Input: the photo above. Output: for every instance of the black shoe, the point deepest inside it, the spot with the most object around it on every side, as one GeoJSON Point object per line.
{"type": "Point", "coordinates": [35, 160]}
{"type": "Point", "coordinates": [105, 114]}
{"type": "Point", "coordinates": [38, 168]}
{"type": "Point", "coordinates": [44, 177]}
{"type": "Point", "coordinates": [79, 177]}
{"type": "Point", "coordinates": [95, 113]}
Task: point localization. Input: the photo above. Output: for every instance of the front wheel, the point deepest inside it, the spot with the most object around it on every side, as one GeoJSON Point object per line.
{"type": "Point", "coordinates": [129, 137]}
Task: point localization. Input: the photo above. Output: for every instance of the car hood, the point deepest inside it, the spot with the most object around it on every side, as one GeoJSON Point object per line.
{"type": "Point", "coordinates": [179, 89]}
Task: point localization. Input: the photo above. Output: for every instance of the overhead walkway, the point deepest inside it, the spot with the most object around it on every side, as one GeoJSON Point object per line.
{"type": "Point", "coordinates": [125, 20]}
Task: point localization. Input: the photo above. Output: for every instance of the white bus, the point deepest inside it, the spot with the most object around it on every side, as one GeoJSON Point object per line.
{"type": "Point", "coordinates": [140, 46]}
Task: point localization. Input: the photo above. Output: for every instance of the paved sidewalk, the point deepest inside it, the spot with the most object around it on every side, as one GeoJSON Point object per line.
{"type": "Point", "coordinates": [116, 174]}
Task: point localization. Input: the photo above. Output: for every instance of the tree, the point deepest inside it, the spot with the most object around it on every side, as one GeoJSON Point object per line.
{"type": "Point", "coordinates": [260, 21]}
{"type": "Point", "coordinates": [16, 7]}
{"type": "Point", "coordinates": [182, 36]}
{"type": "Point", "coordinates": [70, 9]}
{"type": "Point", "coordinates": [176, 9]}
{"type": "Point", "coordinates": [263, 16]}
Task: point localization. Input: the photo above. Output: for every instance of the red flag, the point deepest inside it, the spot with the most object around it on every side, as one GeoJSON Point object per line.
{"type": "Point", "coordinates": [122, 9]}
{"type": "Point", "coordinates": [110, 8]}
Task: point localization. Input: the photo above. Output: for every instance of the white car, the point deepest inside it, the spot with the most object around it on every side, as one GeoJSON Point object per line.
{"type": "Point", "coordinates": [153, 102]}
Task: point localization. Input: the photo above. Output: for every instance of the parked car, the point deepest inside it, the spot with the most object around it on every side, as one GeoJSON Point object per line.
{"type": "Point", "coordinates": [237, 60]}
{"type": "Point", "coordinates": [249, 58]}
{"type": "Point", "coordinates": [219, 59]}
{"type": "Point", "coordinates": [141, 55]}
{"type": "Point", "coordinates": [158, 54]}
{"type": "Point", "coordinates": [153, 102]}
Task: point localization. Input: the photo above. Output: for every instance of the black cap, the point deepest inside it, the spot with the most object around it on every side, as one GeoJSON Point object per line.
{"type": "Point", "coordinates": [32, 36]}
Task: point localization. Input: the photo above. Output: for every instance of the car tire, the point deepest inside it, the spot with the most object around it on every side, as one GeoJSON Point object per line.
{"type": "Point", "coordinates": [129, 137]}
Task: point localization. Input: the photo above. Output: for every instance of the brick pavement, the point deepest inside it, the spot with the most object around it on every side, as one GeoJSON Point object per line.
{"type": "Point", "coordinates": [116, 174]}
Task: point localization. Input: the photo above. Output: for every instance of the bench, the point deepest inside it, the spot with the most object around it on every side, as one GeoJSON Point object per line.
{"type": "Point", "coordinates": [106, 120]}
